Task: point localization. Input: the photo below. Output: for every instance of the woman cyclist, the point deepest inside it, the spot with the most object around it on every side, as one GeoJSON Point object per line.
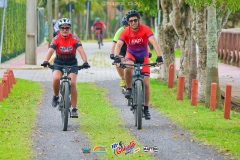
{"type": "Point", "coordinates": [66, 44]}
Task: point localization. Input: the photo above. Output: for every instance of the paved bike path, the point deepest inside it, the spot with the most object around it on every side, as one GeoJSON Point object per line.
{"type": "Point", "coordinates": [160, 132]}
{"type": "Point", "coordinates": [52, 143]}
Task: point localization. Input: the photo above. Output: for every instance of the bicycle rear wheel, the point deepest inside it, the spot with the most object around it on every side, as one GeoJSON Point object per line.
{"type": "Point", "coordinates": [66, 105]}
{"type": "Point", "coordinates": [139, 100]}
{"type": "Point", "coordinates": [99, 41]}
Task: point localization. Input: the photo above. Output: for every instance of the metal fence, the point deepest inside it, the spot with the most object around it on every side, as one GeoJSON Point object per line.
{"type": "Point", "coordinates": [229, 46]}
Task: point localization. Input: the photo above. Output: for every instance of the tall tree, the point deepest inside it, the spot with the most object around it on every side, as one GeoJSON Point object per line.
{"type": "Point", "coordinates": [212, 56]}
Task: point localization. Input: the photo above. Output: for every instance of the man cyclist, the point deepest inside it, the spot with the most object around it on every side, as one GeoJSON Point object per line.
{"type": "Point", "coordinates": [137, 36]}
{"type": "Point", "coordinates": [98, 25]}
{"type": "Point", "coordinates": [122, 51]}
{"type": "Point", "coordinates": [66, 44]}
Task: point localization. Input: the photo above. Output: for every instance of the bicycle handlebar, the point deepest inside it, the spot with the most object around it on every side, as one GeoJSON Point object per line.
{"type": "Point", "coordinates": [123, 65]}
{"type": "Point", "coordinates": [75, 66]}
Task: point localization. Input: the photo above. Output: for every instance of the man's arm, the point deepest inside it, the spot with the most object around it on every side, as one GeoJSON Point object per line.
{"type": "Point", "coordinates": [156, 47]}
{"type": "Point", "coordinates": [113, 47]}
{"type": "Point", "coordinates": [118, 47]}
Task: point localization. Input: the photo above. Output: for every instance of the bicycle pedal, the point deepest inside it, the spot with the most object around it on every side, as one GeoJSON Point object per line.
{"type": "Point", "coordinates": [74, 116]}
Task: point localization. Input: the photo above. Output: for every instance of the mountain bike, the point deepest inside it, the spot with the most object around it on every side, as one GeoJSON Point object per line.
{"type": "Point", "coordinates": [137, 99]}
{"type": "Point", "coordinates": [65, 93]}
{"type": "Point", "coordinates": [99, 38]}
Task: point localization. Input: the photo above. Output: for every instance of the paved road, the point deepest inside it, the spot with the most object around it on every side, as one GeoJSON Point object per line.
{"type": "Point", "coordinates": [52, 143]}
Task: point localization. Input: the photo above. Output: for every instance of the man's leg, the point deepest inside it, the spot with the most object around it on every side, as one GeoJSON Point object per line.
{"type": "Point", "coordinates": [147, 90]}
{"type": "Point", "coordinates": [128, 78]}
{"type": "Point", "coordinates": [147, 97]}
{"type": "Point", "coordinates": [121, 74]}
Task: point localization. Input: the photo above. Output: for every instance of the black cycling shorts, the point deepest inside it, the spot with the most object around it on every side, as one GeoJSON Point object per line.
{"type": "Point", "coordinates": [72, 62]}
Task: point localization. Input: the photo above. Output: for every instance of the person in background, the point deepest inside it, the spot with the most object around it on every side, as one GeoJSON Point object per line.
{"type": "Point", "coordinates": [98, 25]}
{"type": "Point", "coordinates": [122, 51]}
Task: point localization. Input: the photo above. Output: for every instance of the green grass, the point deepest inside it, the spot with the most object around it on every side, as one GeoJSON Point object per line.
{"type": "Point", "coordinates": [177, 54]}
{"type": "Point", "coordinates": [208, 127]}
{"type": "Point", "coordinates": [102, 123]}
{"type": "Point", "coordinates": [17, 117]}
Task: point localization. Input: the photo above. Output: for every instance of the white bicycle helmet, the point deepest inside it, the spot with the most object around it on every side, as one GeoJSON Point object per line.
{"type": "Point", "coordinates": [64, 21]}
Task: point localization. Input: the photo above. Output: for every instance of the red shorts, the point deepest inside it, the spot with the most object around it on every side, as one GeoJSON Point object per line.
{"type": "Point", "coordinates": [145, 60]}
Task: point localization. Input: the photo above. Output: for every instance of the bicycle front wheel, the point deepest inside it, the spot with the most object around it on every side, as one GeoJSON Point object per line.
{"type": "Point", "coordinates": [66, 106]}
{"type": "Point", "coordinates": [139, 100]}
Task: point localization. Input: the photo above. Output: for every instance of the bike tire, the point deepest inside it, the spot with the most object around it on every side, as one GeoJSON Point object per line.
{"type": "Point", "coordinates": [139, 100]}
{"type": "Point", "coordinates": [66, 106]}
{"type": "Point", "coordinates": [99, 41]}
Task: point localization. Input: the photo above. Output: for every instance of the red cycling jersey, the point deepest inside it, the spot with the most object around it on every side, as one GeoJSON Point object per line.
{"type": "Point", "coordinates": [98, 25]}
{"type": "Point", "coordinates": [65, 46]}
{"type": "Point", "coordinates": [137, 42]}
{"type": "Point", "coordinates": [137, 45]}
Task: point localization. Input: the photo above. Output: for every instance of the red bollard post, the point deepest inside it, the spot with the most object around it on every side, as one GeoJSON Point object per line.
{"type": "Point", "coordinates": [213, 96]}
{"type": "Point", "coordinates": [170, 75]}
{"type": "Point", "coordinates": [13, 80]}
{"type": "Point", "coordinates": [8, 74]}
{"type": "Point", "coordinates": [8, 81]}
{"type": "Point", "coordinates": [1, 91]}
{"type": "Point", "coordinates": [227, 102]}
{"type": "Point", "coordinates": [180, 89]}
{"type": "Point", "coordinates": [194, 94]}
{"type": "Point", "coordinates": [5, 87]}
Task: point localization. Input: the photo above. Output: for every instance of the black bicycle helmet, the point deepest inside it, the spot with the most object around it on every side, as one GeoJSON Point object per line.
{"type": "Point", "coordinates": [124, 21]}
{"type": "Point", "coordinates": [132, 13]}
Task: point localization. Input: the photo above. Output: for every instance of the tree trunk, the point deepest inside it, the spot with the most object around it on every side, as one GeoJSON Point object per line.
{"type": "Point", "coordinates": [167, 38]}
{"type": "Point", "coordinates": [212, 57]}
{"type": "Point", "coordinates": [180, 18]}
{"type": "Point", "coordinates": [201, 40]}
{"type": "Point", "coordinates": [78, 25]}
{"type": "Point", "coordinates": [192, 65]}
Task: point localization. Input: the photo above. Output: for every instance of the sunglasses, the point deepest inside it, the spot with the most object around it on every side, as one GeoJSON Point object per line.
{"type": "Point", "coordinates": [133, 20]}
{"type": "Point", "coordinates": [65, 28]}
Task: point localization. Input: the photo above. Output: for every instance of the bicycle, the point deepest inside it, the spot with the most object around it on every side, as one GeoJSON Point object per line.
{"type": "Point", "coordinates": [137, 99]}
{"type": "Point", "coordinates": [99, 38]}
{"type": "Point", "coordinates": [65, 93]}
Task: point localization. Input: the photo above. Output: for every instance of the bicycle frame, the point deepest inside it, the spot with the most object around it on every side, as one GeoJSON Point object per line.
{"type": "Point", "coordinates": [137, 99]}
{"type": "Point", "coordinates": [65, 94]}
{"type": "Point", "coordinates": [99, 38]}
{"type": "Point", "coordinates": [137, 77]}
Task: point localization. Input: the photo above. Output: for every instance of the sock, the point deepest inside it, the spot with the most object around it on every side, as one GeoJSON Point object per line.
{"type": "Point", "coordinates": [145, 107]}
{"type": "Point", "coordinates": [129, 88]}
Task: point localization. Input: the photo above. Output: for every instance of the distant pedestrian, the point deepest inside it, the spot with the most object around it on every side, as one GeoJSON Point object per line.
{"type": "Point", "coordinates": [55, 27]}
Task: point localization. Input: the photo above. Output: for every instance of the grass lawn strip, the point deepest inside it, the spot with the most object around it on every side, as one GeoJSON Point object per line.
{"type": "Point", "coordinates": [208, 127]}
{"type": "Point", "coordinates": [17, 117]}
{"type": "Point", "coordinates": [102, 123]}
